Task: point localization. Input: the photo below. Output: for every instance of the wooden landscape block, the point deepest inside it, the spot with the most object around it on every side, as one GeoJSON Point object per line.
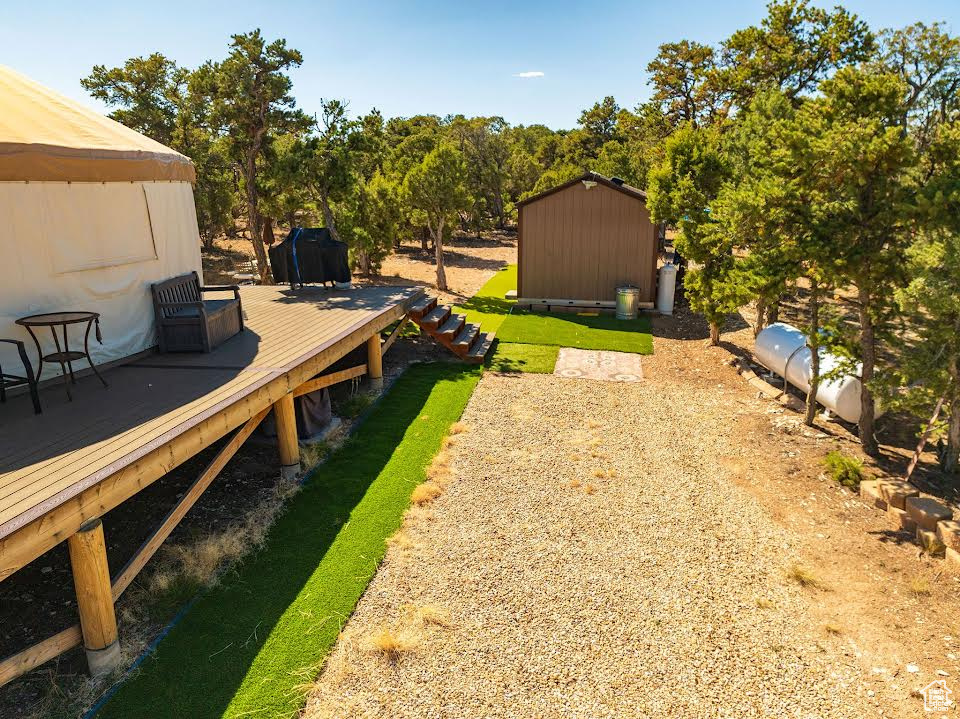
{"type": "Point", "coordinates": [768, 390]}
{"type": "Point", "coordinates": [791, 402]}
{"type": "Point", "coordinates": [901, 520]}
{"type": "Point", "coordinates": [871, 494]}
{"type": "Point", "coordinates": [744, 369]}
{"type": "Point", "coordinates": [926, 512]}
{"type": "Point", "coordinates": [896, 491]}
{"type": "Point", "coordinates": [948, 531]}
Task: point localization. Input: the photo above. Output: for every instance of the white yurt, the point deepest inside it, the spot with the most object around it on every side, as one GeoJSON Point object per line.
{"type": "Point", "coordinates": [91, 213]}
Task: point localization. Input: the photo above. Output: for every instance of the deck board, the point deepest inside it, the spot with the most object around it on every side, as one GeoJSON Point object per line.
{"type": "Point", "coordinates": [47, 459]}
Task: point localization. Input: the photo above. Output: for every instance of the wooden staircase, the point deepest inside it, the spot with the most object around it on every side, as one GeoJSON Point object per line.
{"type": "Point", "coordinates": [451, 329]}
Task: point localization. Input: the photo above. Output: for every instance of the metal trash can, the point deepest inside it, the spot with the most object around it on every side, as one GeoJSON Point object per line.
{"type": "Point", "coordinates": [628, 302]}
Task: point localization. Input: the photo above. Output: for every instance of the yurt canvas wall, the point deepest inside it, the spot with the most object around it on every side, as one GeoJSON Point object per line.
{"type": "Point", "coordinates": [96, 247]}
{"type": "Point", "coordinates": [91, 213]}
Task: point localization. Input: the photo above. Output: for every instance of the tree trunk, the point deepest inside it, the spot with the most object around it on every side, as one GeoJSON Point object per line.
{"type": "Point", "coordinates": [268, 237]}
{"type": "Point", "coordinates": [253, 215]}
{"type": "Point", "coordinates": [951, 460]}
{"type": "Point", "coordinates": [438, 250]}
{"type": "Point", "coordinates": [501, 212]}
{"type": "Point", "coordinates": [761, 316]}
{"type": "Point", "coordinates": [773, 312]}
{"type": "Point", "coordinates": [424, 240]}
{"type": "Point", "coordinates": [328, 216]}
{"type": "Point", "coordinates": [868, 356]}
{"type": "Point", "coordinates": [363, 261]}
{"type": "Point", "coordinates": [813, 342]}
{"type": "Point", "coordinates": [714, 334]}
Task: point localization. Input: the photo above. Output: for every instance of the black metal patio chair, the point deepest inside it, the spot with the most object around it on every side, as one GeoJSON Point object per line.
{"type": "Point", "coordinates": [9, 381]}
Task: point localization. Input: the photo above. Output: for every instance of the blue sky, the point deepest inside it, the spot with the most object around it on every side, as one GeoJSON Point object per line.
{"type": "Point", "coordinates": [406, 58]}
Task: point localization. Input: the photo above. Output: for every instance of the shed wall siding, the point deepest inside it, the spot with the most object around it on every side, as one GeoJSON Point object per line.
{"type": "Point", "coordinates": [581, 244]}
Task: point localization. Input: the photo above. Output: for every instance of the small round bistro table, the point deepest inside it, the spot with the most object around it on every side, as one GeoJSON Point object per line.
{"type": "Point", "coordinates": [64, 356]}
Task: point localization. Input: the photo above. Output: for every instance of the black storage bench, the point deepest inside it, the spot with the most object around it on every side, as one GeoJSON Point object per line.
{"type": "Point", "coordinates": [186, 322]}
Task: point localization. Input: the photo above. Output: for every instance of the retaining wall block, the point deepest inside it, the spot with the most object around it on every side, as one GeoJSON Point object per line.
{"type": "Point", "coordinates": [896, 491]}
{"type": "Point", "coordinates": [871, 494]}
{"type": "Point", "coordinates": [930, 542]}
{"type": "Point", "coordinates": [901, 520]}
{"type": "Point", "coordinates": [948, 532]}
{"type": "Point", "coordinates": [926, 512]}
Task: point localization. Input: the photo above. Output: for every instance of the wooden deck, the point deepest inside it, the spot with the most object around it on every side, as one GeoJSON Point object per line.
{"type": "Point", "coordinates": [80, 459]}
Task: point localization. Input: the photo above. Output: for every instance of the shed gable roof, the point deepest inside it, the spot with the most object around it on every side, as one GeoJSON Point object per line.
{"type": "Point", "coordinates": [626, 189]}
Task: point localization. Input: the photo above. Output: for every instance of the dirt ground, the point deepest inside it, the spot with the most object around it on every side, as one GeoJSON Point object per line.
{"type": "Point", "coordinates": [880, 624]}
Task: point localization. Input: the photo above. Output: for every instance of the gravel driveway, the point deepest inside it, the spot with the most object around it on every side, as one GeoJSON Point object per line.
{"type": "Point", "coordinates": [589, 559]}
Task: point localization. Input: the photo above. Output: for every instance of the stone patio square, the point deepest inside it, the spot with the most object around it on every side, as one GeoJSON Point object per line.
{"type": "Point", "coordinates": [594, 364]}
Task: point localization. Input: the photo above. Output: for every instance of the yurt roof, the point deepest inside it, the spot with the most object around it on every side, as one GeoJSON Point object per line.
{"type": "Point", "coordinates": [45, 136]}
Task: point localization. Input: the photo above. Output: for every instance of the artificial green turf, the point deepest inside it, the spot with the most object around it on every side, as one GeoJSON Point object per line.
{"type": "Point", "coordinates": [599, 332]}
{"type": "Point", "coordinates": [488, 307]}
{"type": "Point", "coordinates": [513, 357]}
{"type": "Point", "coordinates": [246, 646]}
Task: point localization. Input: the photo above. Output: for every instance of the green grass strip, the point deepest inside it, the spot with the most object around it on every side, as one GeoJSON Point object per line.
{"type": "Point", "coordinates": [488, 307]}
{"type": "Point", "coordinates": [249, 645]}
{"type": "Point", "coordinates": [512, 357]}
{"type": "Point", "coordinates": [599, 332]}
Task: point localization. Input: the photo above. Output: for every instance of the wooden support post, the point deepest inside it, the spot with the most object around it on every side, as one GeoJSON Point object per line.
{"type": "Point", "coordinates": [375, 362]}
{"type": "Point", "coordinates": [284, 413]}
{"type": "Point", "coordinates": [91, 577]}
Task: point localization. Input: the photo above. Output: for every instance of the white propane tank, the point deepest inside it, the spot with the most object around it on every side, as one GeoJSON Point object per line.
{"type": "Point", "coordinates": [782, 349]}
{"type": "Point", "coordinates": [666, 287]}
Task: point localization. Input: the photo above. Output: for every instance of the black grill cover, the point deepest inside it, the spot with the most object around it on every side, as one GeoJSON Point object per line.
{"type": "Point", "coordinates": [318, 258]}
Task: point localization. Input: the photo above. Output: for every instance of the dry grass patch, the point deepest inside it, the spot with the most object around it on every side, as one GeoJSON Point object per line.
{"type": "Point", "coordinates": [201, 561]}
{"type": "Point", "coordinates": [765, 603]}
{"type": "Point", "coordinates": [920, 586]}
{"type": "Point", "coordinates": [931, 544]}
{"type": "Point", "coordinates": [804, 576]}
{"type": "Point", "coordinates": [575, 483]}
{"type": "Point", "coordinates": [400, 540]}
{"type": "Point", "coordinates": [601, 473]}
{"type": "Point", "coordinates": [426, 492]}
{"type": "Point", "coordinates": [590, 488]}
{"type": "Point", "coordinates": [832, 629]}
{"type": "Point", "coordinates": [432, 615]}
{"type": "Point", "coordinates": [459, 428]}
{"type": "Point", "coordinates": [418, 513]}
{"type": "Point", "coordinates": [574, 457]}
{"type": "Point", "coordinates": [393, 643]}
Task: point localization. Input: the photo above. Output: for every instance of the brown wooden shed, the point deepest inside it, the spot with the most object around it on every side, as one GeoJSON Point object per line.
{"type": "Point", "coordinates": [581, 240]}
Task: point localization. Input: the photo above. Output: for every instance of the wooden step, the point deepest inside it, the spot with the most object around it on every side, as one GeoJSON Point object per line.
{"type": "Point", "coordinates": [453, 325]}
{"type": "Point", "coordinates": [480, 348]}
{"type": "Point", "coordinates": [435, 318]}
{"type": "Point", "coordinates": [422, 306]}
{"type": "Point", "coordinates": [464, 340]}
